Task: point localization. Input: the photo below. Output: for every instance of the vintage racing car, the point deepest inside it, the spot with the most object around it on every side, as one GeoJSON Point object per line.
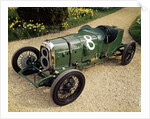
{"type": "Point", "coordinates": [59, 60]}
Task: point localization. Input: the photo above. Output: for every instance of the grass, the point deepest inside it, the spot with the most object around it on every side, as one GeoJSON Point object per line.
{"type": "Point", "coordinates": [135, 30]}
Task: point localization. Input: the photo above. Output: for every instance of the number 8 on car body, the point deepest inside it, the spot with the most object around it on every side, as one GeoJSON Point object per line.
{"type": "Point", "coordinates": [89, 41]}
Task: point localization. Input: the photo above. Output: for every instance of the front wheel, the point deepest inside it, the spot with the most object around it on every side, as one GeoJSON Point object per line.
{"type": "Point", "coordinates": [67, 87]}
{"type": "Point", "coordinates": [24, 57]}
{"type": "Point", "coordinates": [128, 53]}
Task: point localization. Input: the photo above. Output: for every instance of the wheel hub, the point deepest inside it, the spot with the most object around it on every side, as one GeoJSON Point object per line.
{"type": "Point", "coordinates": [26, 60]}
{"type": "Point", "coordinates": [67, 86]}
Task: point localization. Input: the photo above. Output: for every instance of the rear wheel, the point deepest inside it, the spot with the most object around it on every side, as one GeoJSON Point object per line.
{"type": "Point", "coordinates": [67, 87]}
{"type": "Point", "coordinates": [128, 53]}
{"type": "Point", "coordinates": [24, 57]}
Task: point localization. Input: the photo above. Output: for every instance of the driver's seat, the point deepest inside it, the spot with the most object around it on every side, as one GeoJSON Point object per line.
{"type": "Point", "coordinates": [111, 33]}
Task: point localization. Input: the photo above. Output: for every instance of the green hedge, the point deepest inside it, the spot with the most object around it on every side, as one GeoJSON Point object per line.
{"type": "Point", "coordinates": [135, 29]}
{"type": "Point", "coordinates": [46, 15]}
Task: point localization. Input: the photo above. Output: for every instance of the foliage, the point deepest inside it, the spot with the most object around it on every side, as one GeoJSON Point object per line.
{"type": "Point", "coordinates": [75, 14]}
{"type": "Point", "coordinates": [94, 14]}
{"type": "Point", "coordinates": [135, 29]}
{"type": "Point", "coordinates": [80, 12]}
{"type": "Point", "coordinates": [46, 15]}
{"type": "Point", "coordinates": [138, 20]}
{"type": "Point", "coordinates": [101, 8]}
{"type": "Point", "coordinates": [65, 25]}
{"type": "Point", "coordinates": [13, 8]}
{"type": "Point", "coordinates": [19, 28]}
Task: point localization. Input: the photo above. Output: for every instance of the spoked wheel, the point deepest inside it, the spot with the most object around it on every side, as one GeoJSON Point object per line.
{"type": "Point", "coordinates": [24, 57]}
{"type": "Point", "coordinates": [67, 87]}
{"type": "Point", "coordinates": [128, 53]}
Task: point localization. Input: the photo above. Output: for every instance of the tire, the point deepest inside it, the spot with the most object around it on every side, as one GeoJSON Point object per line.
{"type": "Point", "coordinates": [16, 55]}
{"type": "Point", "coordinates": [60, 88]}
{"type": "Point", "coordinates": [128, 53]}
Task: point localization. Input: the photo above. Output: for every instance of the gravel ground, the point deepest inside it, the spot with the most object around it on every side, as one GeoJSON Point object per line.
{"type": "Point", "coordinates": [110, 87]}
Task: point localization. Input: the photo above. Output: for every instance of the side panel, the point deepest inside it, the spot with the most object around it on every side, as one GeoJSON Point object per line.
{"type": "Point", "coordinates": [112, 47]}
{"type": "Point", "coordinates": [101, 44]}
{"type": "Point", "coordinates": [92, 41]}
{"type": "Point", "coordinates": [76, 48]}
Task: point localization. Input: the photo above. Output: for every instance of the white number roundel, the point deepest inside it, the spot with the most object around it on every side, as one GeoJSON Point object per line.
{"type": "Point", "coordinates": [88, 39]}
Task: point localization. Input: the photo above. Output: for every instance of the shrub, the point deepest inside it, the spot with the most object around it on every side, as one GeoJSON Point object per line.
{"type": "Point", "coordinates": [19, 29]}
{"type": "Point", "coordinates": [135, 30]}
{"type": "Point", "coordinates": [46, 15]}
{"type": "Point", "coordinates": [12, 14]}
{"type": "Point", "coordinates": [80, 12]}
{"type": "Point", "coordinates": [101, 8]}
